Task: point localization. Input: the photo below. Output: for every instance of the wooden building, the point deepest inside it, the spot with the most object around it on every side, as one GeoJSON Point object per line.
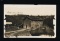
{"type": "Point", "coordinates": [34, 22]}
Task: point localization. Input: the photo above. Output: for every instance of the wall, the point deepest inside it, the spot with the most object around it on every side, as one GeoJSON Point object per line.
{"type": "Point", "coordinates": [27, 24]}
{"type": "Point", "coordinates": [36, 24]}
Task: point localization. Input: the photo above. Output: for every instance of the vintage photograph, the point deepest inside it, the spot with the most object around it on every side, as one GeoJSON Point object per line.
{"type": "Point", "coordinates": [29, 21]}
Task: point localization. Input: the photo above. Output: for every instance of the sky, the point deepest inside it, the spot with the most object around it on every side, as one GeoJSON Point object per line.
{"type": "Point", "coordinates": [14, 9]}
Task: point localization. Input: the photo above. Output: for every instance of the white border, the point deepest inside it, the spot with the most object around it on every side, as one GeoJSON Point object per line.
{"type": "Point", "coordinates": [54, 22]}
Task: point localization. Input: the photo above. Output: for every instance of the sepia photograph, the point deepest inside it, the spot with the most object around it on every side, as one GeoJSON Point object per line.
{"type": "Point", "coordinates": [29, 21]}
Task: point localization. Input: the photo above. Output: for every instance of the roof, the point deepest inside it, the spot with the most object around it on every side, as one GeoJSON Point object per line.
{"type": "Point", "coordinates": [34, 18]}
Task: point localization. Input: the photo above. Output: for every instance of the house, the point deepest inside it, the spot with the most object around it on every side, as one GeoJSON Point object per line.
{"type": "Point", "coordinates": [32, 22]}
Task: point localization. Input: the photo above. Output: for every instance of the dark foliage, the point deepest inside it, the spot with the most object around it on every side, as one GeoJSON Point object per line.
{"type": "Point", "coordinates": [18, 20]}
